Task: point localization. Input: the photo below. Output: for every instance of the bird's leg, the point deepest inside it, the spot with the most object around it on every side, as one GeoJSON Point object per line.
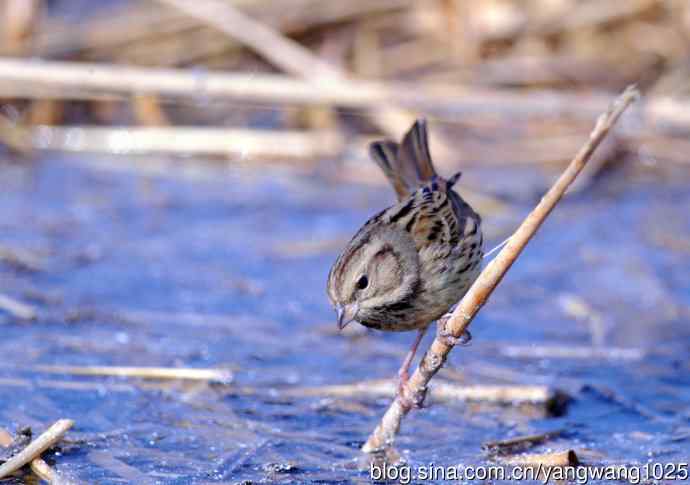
{"type": "Point", "coordinates": [404, 372]}
{"type": "Point", "coordinates": [449, 338]}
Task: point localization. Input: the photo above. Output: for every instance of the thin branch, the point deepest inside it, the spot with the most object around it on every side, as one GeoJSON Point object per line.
{"type": "Point", "coordinates": [48, 439]}
{"type": "Point", "coordinates": [384, 434]}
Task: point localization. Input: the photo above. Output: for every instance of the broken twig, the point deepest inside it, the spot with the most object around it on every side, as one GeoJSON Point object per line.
{"type": "Point", "coordinates": [554, 459]}
{"type": "Point", "coordinates": [48, 439]}
{"type": "Point", "coordinates": [518, 444]}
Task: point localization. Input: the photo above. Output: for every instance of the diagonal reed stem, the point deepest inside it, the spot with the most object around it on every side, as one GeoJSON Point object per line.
{"type": "Point", "coordinates": [416, 387]}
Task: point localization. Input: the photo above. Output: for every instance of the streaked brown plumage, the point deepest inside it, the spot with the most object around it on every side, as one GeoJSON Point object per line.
{"type": "Point", "coordinates": [411, 262]}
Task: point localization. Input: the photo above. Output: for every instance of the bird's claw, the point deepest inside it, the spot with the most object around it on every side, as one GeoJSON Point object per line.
{"type": "Point", "coordinates": [448, 337]}
{"type": "Point", "coordinates": [452, 340]}
{"type": "Point", "coordinates": [402, 394]}
{"type": "Point", "coordinates": [403, 377]}
{"type": "Point", "coordinates": [416, 401]}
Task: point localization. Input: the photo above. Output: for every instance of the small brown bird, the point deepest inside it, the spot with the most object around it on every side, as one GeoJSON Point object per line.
{"type": "Point", "coordinates": [411, 262]}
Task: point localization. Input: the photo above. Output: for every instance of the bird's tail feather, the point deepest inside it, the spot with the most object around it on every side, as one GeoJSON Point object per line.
{"type": "Point", "coordinates": [385, 154]}
{"type": "Point", "coordinates": [407, 165]}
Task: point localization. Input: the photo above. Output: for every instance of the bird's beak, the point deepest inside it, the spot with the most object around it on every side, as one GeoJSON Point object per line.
{"type": "Point", "coordinates": [346, 313]}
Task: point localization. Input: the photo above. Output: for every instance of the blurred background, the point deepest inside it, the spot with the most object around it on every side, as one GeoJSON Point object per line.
{"type": "Point", "coordinates": [177, 177]}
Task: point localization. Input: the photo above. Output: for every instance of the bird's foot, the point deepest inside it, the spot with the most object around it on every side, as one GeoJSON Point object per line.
{"type": "Point", "coordinates": [403, 377]}
{"type": "Point", "coordinates": [408, 399]}
{"type": "Point", "coordinates": [448, 337]}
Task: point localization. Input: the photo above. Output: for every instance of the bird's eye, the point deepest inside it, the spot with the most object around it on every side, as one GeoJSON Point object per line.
{"type": "Point", "coordinates": [362, 282]}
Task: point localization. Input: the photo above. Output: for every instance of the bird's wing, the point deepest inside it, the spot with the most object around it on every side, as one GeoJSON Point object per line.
{"type": "Point", "coordinates": [432, 216]}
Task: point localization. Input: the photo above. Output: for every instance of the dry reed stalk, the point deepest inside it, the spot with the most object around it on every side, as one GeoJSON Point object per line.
{"type": "Point", "coordinates": [443, 391]}
{"type": "Point", "coordinates": [20, 78]}
{"type": "Point", "coordinates": [549, 460]}
{"type": "Point", "coordinates": [45, 472]}
{"type": "Point", "coordinates": [221, 375]}
{"type": "Point", "coordinates": [74, 385]}
{"type": "Point", "coordinates": [191, 140]}
{"type": "Point", "coordinates": [34, 450]}
{"type": "Point", "coordinates": [415, 388]}
{"type": "Point", "coordinates": [503, 447]}
{"type": "Point", "coordinates": [631, 354]}
{"type": "Point", "coordinates": [16, 308]}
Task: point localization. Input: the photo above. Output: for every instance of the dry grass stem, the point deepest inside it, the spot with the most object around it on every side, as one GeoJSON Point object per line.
{"type": "Point", "coordinates": [442, 391]}
{"type": "Point", "coordinates": [16, 308]}
{"type": "Point", "coordinates": [572, 352]}
{"type": "Point", "coordinates": [46, 473]}
{"type": "Point", "coordinates": [191, 140]}
{"type": "Point", "coordinates": [415, 389]}
{"type": "Point", "coordinates": [79, 386]}
{"type": "Point", "coordinates": [37, 79]}
{"type": "Point", "coordinates": [553, 459]}
{"type": "Point", "coordinates": [543, 462]}
{"type": "Point", "coordinates": [518, 444]}
{"type": "Point", "coordinates": [21, 78]}
{"type": "Point", "coordinates": [34, 450]}
{"type": "Point", "coordinates": [164, 373]}
{"type": "Point", "coordinates": [82, 80]}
